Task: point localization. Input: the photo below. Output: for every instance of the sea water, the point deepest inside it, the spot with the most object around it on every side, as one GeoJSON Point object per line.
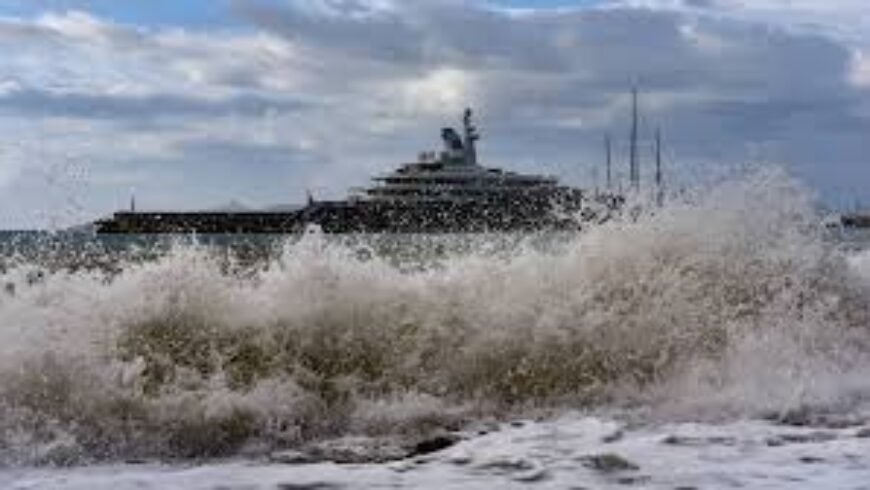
{"type": "Point", "coordinates": [720, 341]}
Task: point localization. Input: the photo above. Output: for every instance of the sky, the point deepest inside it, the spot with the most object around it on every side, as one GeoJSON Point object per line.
{"type": "Point", "coordinates": [191, 104]}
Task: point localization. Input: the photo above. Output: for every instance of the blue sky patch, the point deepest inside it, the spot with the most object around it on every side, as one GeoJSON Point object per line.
{"type": "Point", "coordinates": [188, 13]}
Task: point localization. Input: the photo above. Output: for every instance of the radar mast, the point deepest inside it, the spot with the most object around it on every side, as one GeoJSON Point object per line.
{"type": "Point", "coordinates": [471, 137]}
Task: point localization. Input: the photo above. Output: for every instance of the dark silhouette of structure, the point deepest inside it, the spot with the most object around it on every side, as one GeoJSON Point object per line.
{"type": "Point", "coordinates": [447, 193]}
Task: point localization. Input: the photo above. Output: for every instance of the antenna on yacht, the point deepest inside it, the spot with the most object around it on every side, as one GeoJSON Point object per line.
{"type": "Point", "coordinates": [634, 163]}
{"type": "Point", "coordinates": [471, 136]}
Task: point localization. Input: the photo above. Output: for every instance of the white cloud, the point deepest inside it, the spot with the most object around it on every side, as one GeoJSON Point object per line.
{"type": "Point", "coordinates": [9, 86]}
{"type": "Point", "coordinates": [860, 74]}
{"type": "Point", "coordinates": [439, 92]}
{"type": "Point", "coordinates": [360, 10]}
{"type": "Point", "coordinates": [76, 25]}
{"type": "Point", "coordinates": [711, 43]}
{"type": "Point", "coordinates": [76, 52]}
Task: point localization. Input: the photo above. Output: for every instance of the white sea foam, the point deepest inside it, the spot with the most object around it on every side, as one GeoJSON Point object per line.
{"type": "Point", "coordinates": [570, 451]}
{"type": "Point", "coordinates": [730, 305]}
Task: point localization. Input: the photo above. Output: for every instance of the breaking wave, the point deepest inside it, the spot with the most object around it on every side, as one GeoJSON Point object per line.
{"type": "Point", "coordinates": [731, 304]}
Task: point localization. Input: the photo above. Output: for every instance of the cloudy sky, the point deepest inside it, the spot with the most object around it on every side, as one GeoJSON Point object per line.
{"type": "Point", "coordinates": [193, 103]}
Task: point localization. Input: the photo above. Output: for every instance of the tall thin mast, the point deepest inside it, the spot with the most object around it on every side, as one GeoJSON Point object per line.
{"type": "Point", "coordinates": [608, 151]}
{"type": "Point", "coordinates": [471, 136]}
{"type": "Point", "coordinates": [659, 184]}
{"type": "Point", "coordinates": [634, 167]}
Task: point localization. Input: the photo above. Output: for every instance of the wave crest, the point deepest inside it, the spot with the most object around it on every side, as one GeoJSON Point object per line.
{"type": "Point", "coordinates": [733, 303]}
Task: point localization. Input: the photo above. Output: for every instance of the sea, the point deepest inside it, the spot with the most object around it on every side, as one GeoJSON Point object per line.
{"type": "Point", "coordinates": [719, 341]}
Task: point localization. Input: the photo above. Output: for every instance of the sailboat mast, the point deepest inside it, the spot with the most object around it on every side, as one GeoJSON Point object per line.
{"type": "Point", "coordinates": [659, 183]}
{"type": "Point", "coordinates": [634, 164]}
{"type": "Point", "coordinates": [608, 151]}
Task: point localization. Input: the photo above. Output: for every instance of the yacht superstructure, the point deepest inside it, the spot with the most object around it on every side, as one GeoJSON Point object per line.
{"type": "Point", "coordinates": [447, 191]}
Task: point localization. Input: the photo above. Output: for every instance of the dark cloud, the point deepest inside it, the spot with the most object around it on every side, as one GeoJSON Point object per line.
{"type": "Point", "coordinates": [704, 4]}
{"type": "Point", "coordinates": [385, 37]}
{"type": "Point", "coordinates": [415, 34]}
{"type": "Point", "coordinates": [33, 102]}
